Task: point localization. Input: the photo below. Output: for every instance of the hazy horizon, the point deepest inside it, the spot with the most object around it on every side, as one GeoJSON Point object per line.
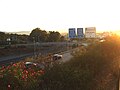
{"type": "Point", "coordinates": [28, 32]}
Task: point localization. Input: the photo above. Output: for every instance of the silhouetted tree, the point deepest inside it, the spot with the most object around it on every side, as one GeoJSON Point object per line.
{"type": "Point", "coordinates": [62, 38]}
{"type": "Point", "coordinates": [22, 38]}
{"type": "Point", "coordinates": [54, 36]}
{"type": "Point", "coordinates": [2, 36]}
{"type": "Point", "coordinates": [39, 35]}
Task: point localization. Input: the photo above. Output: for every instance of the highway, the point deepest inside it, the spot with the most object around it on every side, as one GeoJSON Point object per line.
{"type": "Point", "coordinates": [16, 58]}
{"type": "Point", "coordinates": [66, 57]}
{"type": "Point", "coordinates": [8, 59]}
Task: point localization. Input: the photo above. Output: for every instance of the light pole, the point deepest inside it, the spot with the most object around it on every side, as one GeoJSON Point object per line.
{"type": "Point", "coordinates": [34, 47]}
{"type": "Point", "coordinates": [67, 42]}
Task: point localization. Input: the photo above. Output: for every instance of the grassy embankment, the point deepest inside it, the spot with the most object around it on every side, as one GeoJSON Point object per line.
{"type": "Point", "coordinates": [92, 68]}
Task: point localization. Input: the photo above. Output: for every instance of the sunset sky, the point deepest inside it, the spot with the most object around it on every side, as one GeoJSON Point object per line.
{"type": "Point", "coordinates": [59, 15]}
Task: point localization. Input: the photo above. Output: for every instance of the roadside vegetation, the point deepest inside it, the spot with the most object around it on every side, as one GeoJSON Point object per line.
{"type": "Point", "coordinates": [19, 77]}
{"type": "Point", "coordinates": [36, 35]}
{"type": "Point", "coordinates": [94, 67]}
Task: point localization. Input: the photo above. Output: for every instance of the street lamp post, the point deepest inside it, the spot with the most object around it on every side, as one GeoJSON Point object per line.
{"type": "Point", "coordinates": [34, 46]}
{"type": "Point", "coordinates": [67, 43]}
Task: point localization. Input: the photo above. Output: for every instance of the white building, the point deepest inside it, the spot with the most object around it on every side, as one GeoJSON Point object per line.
{"type": "Point", "coordinates": [90, 32]}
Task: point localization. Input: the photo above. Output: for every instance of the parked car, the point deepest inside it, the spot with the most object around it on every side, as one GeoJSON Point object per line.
{"type": "Point", "coordinates": [57, 56]}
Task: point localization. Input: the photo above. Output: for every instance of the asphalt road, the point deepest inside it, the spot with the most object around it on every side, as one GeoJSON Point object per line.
{"type": "Point", "coordinates": [66, 56]}
{"type": "Point", "coordinates": [16, 58]}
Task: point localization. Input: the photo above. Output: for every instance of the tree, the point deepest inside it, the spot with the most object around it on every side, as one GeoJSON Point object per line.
{"type": "Point", "coordinates": [22, 38]}
{"type": "Point", "coordinates": [54, 36]}
{"type": "Point", "coordinates": [2, 36]}
{"type": "Point", "coordinates": [62, 38]}
{"type": "Point", "coordinates": [39, 35]}
{"type": "Point", "coordinates": [42, 36]}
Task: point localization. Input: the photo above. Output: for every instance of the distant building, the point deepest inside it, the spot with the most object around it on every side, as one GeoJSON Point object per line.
{"type": "Point", "coordinates": [90, 32]}
{"type": "Point", "coordinates": [106, 34]}
{"type": "Point", "coordinates": [99, 35]}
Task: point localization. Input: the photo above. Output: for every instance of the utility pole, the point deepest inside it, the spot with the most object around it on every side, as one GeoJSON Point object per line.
{"type": "Point", "coordinates": [38, 46]}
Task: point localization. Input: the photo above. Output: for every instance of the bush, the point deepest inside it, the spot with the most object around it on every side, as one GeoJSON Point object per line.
{"type": "Point", "coordinates": [18, 77]}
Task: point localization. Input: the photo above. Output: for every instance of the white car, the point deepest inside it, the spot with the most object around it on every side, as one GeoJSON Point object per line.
{"type": "Point", "coordinates": [57, 56]}
{"type": "Point", "coordinates": [31, 64]}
